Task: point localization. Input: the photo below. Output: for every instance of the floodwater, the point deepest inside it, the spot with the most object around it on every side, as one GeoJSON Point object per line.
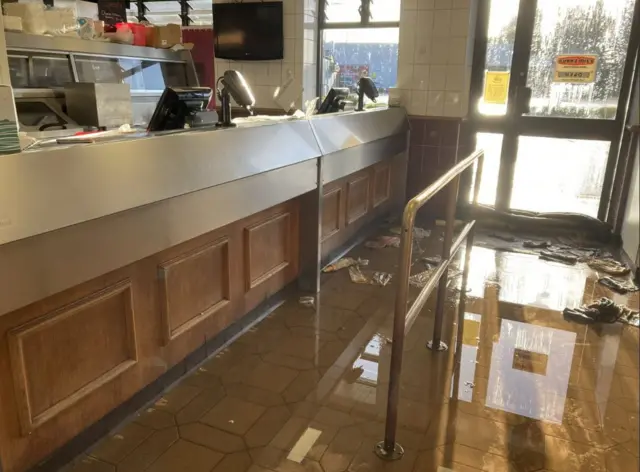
{"type": "Point", "coordinates": [520, 388]}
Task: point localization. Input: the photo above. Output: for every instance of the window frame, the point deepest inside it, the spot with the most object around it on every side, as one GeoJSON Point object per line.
{"type": "Point", "coordinates": [364, 23]}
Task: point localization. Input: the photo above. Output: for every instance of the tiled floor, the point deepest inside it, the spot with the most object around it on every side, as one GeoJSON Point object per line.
{"type": "Point", "coordinates": [305, 390]}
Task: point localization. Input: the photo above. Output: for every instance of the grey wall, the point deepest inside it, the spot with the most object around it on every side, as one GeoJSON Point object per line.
{"type": "Point", "coordinates": [631, 225]}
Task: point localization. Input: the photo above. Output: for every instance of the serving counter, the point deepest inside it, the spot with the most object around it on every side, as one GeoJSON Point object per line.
{"type": "Point", "coordinates": [123, 264]}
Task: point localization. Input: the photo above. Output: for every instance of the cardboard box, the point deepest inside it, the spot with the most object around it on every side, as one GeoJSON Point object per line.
{"type": "Point", "coordinates": [32, 15]}
{"type": "Point", "coordinates": [165, 36]}
{"type": "Point", "coordinates": [12, 23]}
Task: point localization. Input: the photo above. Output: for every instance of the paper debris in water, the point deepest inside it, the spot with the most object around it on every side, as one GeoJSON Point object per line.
{"type": "Point", "coordinates": [420, 279]}
{"type": "Point", "coordinates": [308, 301]}
{"type": "Point", "coordinates": [382, 242]}
{"type": "Point", "coordinates": [381, 278]}
{"type": "Point", "coordinates": [377, 278]}
{"type": "Point", "coordinates": [344, 263]}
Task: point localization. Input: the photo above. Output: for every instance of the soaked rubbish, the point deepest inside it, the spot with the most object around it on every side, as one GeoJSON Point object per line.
{"type": "Point", "coordinates": [381, 278]}
{"type": "Point", "coordinates": [377, 278]}
{"type": "Point", "coordinates": [619, 286]}
{"type": "Point", "coordinates": [344, 263]}
{"type": "Point", "coordinates": [601, 311]}
{"type": "Point", "coordinates": [375, 244]}
{"type": "Point", "coordinates": [536, 244]}
{"type": "Point", "coordinates": [420, 279]}
{"type": "Point", "coordinates": [630, 317]}
{"type": "Point", "coordinates": [307, 301]}
{"type": "Point", "coordinates": [456, 223]}
{"type": "Point", "coordinates": [382, 242]}
{"type": "Point", "coordinates": [608, 266]}
{"type": "Point", "coordinates": [356, 275]}
{"type": "Point", "coordinates": [504, 237]}
{"type": "Point", "coordinates": [556, 256]}
{"type": "Point", "coordinates": [420, 233]}
{"type": "Point", "coordinates": [432, 260]}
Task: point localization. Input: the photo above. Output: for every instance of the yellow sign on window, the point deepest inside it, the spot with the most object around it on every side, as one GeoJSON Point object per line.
{"type": "Point", "coordinates": [575, 69]}
{"type": "Point", "coordinates": [496, 87]}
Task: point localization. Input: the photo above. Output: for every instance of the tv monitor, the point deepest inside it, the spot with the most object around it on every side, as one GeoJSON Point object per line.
{"type": "Point", "coordinates": [177, 106]}
{"type": "Point", "coordinates": [248, 31]}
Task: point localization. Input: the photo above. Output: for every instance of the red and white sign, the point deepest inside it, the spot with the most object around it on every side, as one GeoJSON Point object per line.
{"type": "Point", "coordinates": [575, 69]}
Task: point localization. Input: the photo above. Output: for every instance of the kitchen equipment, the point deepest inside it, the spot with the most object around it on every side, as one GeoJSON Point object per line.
{"type": "Point", "coordinates": [100, 105]}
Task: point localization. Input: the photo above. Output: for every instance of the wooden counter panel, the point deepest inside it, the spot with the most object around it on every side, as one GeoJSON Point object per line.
{"type": "Point", "coordinates": [381, 184]}
{"type": "Point", "coordinates": [267, 248]}
{"type": "Point", "coordinates": [357, 195]}
{"type": "Point", "coordinates": [69, 359]}
{"type": "Point", "coordinates": [370, 193]}
{"type": "Point", "coordinates": [61, 357]}
{"type": "Point", "coordinates": [270, 251]}
{"type": "Point", "coordinates": [331, 211]}
{"type": "Point", "coordinates": [193, 287]}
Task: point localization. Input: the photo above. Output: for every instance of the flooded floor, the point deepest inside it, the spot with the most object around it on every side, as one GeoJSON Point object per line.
{"type": "Point", "coordinates": [305, 390]}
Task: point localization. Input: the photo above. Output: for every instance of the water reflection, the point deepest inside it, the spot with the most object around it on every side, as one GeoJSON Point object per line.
{"type": "Point", "coordinates": [529, 373]}
{"type": "Point", "coordinates": [360, 382]}
{"type": "Point", "coordinates": [468, 356]}
{"type": "Point", "coordinates": [525, 280]}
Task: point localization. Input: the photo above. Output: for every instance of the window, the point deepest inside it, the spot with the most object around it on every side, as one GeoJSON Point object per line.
{"type": "Point", "coordinates": [162, 12]}
{"type": "Point", "coordinates": [359, 38]}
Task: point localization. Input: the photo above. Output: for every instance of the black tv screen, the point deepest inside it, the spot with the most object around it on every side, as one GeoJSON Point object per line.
{"type": "Point", "coordinates": [248, 31]}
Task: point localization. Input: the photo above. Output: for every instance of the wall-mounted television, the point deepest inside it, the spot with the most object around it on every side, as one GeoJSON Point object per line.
{"type": "Point", "coordinates": [248, 31]}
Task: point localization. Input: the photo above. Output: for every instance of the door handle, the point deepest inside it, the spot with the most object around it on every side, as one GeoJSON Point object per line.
{"type": "Point", "coordinates": [523, 100]}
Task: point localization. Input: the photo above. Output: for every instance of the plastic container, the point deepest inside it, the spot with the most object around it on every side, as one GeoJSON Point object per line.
{"type": "Point", "coordinates": [138, 31]}
{"type": "Point", "coordinates": [139, 34]}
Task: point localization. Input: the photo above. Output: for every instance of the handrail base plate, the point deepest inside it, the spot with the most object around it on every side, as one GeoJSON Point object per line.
{"type": "Point", "coordinates": [441, 347]}
{"type": "Point", "coordinates": [382, 453]}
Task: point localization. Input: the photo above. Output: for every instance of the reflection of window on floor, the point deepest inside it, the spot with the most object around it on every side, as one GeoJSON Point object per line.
{"type": "Point", "coordinates": [361, 382]}
{"type": "Point", "coordinates": [368, 46]}
{"type": "Point", "coordinates": [304, 444]}
{"type": "Point", "coordinates": [482, 268]}
{"type": "Point", "coordinates": [525, 280]}
{"type": "Point", "coordinates": [468, 356]}
{"type": "Point", "coordinates": [523, 389]}
{"type": "Point", "coordinates": [367, 362]}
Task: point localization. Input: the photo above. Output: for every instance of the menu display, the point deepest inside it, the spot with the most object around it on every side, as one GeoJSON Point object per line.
{"type": "Point", "coordinates": [112, 11]}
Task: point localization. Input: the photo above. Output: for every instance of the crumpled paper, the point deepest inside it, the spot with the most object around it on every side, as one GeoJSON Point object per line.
{"type": "Point", "coordinates": [375, 278]}
{"type": "Point", "coordinates": [344, 263]}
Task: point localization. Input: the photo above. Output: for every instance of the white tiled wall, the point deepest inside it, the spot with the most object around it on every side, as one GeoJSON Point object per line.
{"type": "Point", "coordinates": [300, 46]}
{"type": "Point", "coordinates": [5, 79]}
{"type": "Point", "coordinates": [434, 56]}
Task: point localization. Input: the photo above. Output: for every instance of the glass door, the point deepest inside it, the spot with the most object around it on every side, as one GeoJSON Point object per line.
{"type": "Point", "coordinates": [553, 82]}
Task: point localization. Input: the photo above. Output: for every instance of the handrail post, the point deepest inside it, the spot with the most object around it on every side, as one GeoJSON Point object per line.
{"type": "Point", "coordinates": [389, 449]}
{"type": "Point", "coordinates": [436, 343]}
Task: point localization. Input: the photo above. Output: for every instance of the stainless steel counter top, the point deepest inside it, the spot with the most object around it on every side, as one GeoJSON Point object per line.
{"type": "Point", "coordinates": [70, 214]}
{"type": "Point", "coordinates": [53, 188]}
{"type": "Point", "coordinates": [49, 189]}
{"type": "Point", "coordinates": [337, 132]}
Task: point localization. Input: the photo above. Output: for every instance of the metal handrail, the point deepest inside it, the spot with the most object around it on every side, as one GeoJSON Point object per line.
{"type": "Point", "coordinates": [403, 317]}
